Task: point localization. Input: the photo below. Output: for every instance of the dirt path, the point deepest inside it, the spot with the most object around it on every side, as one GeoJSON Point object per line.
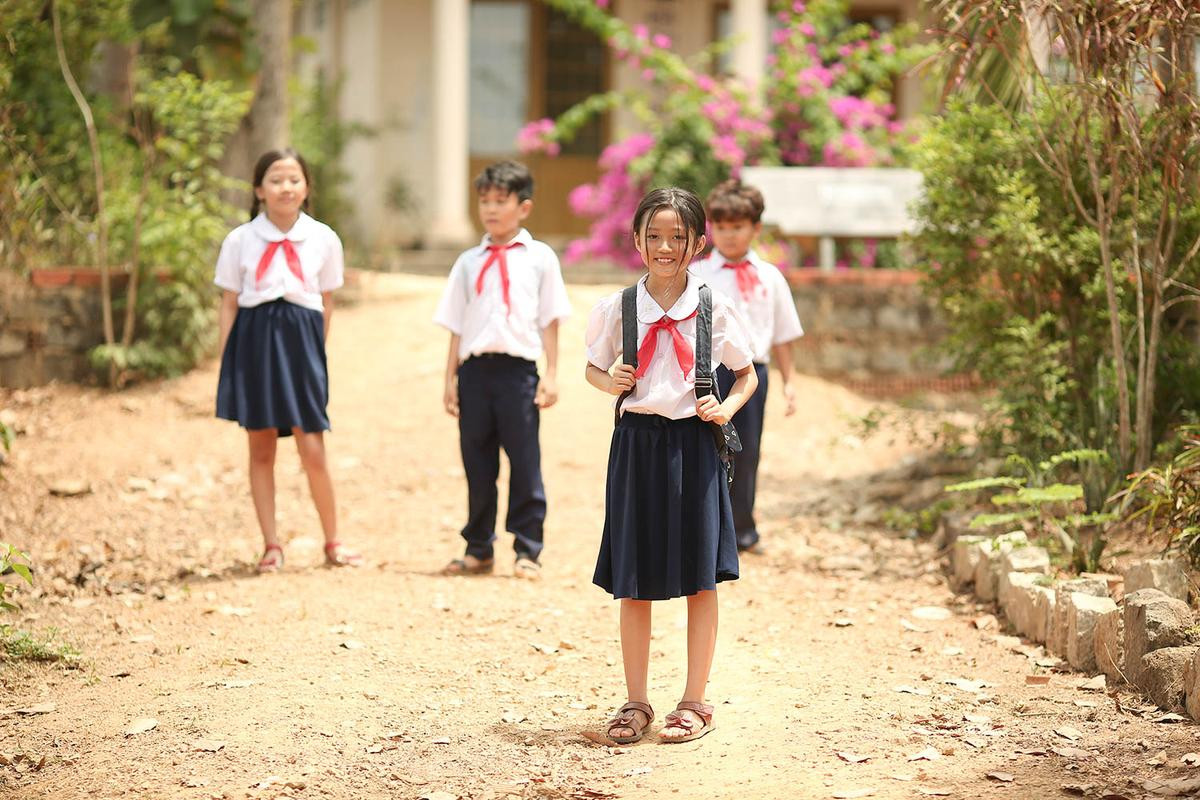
{"type": "Point", "coordinates": [394, 682]}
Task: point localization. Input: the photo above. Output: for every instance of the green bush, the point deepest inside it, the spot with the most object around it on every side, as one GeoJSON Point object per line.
{"type": "Point", "coordinates": [1018, 277]}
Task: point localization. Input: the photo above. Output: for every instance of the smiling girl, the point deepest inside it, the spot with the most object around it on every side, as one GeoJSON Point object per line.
{"type": "Point", "coordinates": [668, 526]}
{"type": "Point", "coordinates": [278, 272]}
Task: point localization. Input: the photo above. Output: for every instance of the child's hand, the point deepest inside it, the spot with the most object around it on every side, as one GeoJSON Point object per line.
{"type": "Point", "coordinates": [547, 392]}
{"type": "Point", "coordinates": [789, 394]}
{"type": "Point", "coordinates": [450, 397]}
{"type": "Point", "coordinates": [622, 379]}
{"type": "Point", "coordinates": [709, 410]}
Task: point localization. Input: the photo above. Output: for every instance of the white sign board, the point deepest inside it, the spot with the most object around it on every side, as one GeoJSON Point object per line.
{"type": "Point", "coordinates": [837, 201]}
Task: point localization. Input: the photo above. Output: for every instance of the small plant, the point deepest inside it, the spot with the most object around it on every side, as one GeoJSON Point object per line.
{"type": "Point", "coordinates": [1057, 510]}
{"type": "Point", "coordinates": [1168, 497]}
{"type": "Point", "coordinates": [18, 645]}
{"type": "Point", "coordinates": [12, 561]}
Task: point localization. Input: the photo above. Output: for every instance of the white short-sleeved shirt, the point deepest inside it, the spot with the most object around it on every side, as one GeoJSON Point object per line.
{"type": "Point", "coordinates": [321, 263]}
{"type": "Point", "coordinates": [482, 321]}
{"type": "Point", "coordinates": [663, 389]}
{"type": "Point", "coordinates": [769, 313]}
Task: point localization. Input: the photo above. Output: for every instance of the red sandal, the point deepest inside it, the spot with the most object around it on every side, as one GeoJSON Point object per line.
{"type": "Point", "coordinates": [272, 559]}
{"type": "Point", "coordinates": [674, 720]}
{"type": "Point", "coordinates": [338, 555]}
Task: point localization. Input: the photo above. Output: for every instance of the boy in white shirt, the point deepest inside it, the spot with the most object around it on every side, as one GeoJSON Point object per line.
{"type": "Point", "coordinates": [762, 295]}
{"type": "Point", "coordinates": [502, 305]}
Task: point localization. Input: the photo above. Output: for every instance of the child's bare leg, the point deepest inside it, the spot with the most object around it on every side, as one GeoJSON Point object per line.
{"type": "Point", "coordinates": [701, 643]}
{"type": "Point", "coordinates": [635, 652]}
{"type": "Point", "coordinates": [311, 447]}
{"type": "Point", "coordinates": [262, 480]}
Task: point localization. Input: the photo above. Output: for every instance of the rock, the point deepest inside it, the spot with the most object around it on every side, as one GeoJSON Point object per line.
{"type": "Point", "coordinates": [70, 488]}
{"type": "Point", "coordinates": [1191, 680]}
{"type": "Point", "coordinates": [1046, 603]}
{"type": "Point", "coordinates": [1109, 640]}
{"type": "Point", "coordinates": [1020, 603]}
{"type": "Point", "coordinates": [1056, 634]}
{"type": "Point", "coordinates": [1083, 612]}
{"type": "Point", "coordinates": [1026, 559]}
{"type": "Point", "coordinates": [1165, 574]}
{"type": "Point", "coordinates": [1152, 621]}
{"type": "Point", "coordinates": [1116, 584]}
{"type": "Point", "coordinates": [987, 571]}
{"type": "Point", "coordinates": [964, 558]}
{"type": "Point", "coordinates": [1163, 675]}
{"type": "Point", "coordinates": [1018, 561]}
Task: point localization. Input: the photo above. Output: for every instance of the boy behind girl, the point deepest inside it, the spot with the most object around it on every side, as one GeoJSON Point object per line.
{"type": "Point", "coordinates": [502, 305]}
{"type": "Point", "coordinates": [762, 295]}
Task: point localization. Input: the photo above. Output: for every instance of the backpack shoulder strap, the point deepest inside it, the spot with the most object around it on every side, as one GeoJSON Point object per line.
{"type": "Point", "coordinates": [629, 342]}
{"type": "Point", "coordinates": [704, 375]}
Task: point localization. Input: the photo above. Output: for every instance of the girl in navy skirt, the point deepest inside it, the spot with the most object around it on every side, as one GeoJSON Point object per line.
{"type": "Point", "coordinates": [278, 272]}
{"type": "Point", "coordinates": [668, 525]}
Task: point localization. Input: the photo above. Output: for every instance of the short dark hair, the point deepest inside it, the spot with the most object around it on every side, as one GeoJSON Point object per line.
{"type": "Point", "coordinates": [733, 200]}
{"type": "Point", "coordinates": [508, 177]}
{"type": "Point", "coordinates": [684, 203]}
{"type": "Point", "coordinates": [264, 163]}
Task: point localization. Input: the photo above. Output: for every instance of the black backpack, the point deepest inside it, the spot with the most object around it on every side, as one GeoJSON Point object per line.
{"type": "Point", "coordinates": [724, 436]}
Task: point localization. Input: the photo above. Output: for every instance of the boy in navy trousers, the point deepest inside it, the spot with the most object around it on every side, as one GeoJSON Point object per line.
{"type": "Point", "coordinates": [502, 306]}
{"type": "Point", "coordinates": [762, 295]}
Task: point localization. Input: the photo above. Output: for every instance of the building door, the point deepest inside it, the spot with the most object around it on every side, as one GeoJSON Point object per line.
{"type": "Point", "coordinates": [530, 62]}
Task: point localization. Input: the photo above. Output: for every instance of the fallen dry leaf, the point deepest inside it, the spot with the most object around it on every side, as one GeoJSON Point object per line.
{"type": "Point", "coordinates": [353, 644]}
{"type": "Point", "coordinates": [985, 622]}
{"type": "Point", "coordinates": [207, 745]}
{"type": "Point", "coordinates": [842, 622]}
{"type": "Point", "coordinates": [928, 754]}
{"type": "Point", "coordinates": [1037, 680]}
{"type": "Point", "coordinates": [852, 758]}
{"type": "Point", "coordinates": [929, 791]}
{"type": "Point", "coordinates": [1177, 787]}
{"type": "Point", "coordinates": [1002, 777]}
{"type": "Point", "coordinates": [909, 626]}
{"type": "Point", "coordinates": [442, 740]}
{"type": "Point", "coordinates": [40, 708]}
{"type": "Point", "coordinates": [1170, 718]}
{"type": "Point", "coordinates": [1096, 684]}
{"type": "Point", "coordinates": [1158, 759]}
{"type": "Point", "coordinates": [1067, 732]}
{"type": "Point", "coordinates": [912, 690]}
{"type": "Point", "coordinates": [933, 613]}
{"type": "Point", "coordinates": [1190, 759]}
{"type": "Point", "coordinates": [141, 726]}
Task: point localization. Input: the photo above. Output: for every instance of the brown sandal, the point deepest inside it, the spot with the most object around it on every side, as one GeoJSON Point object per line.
{"type": "Point", "coordinates": [626, 718]}
{"type": "Point", "coordinates": [459, 566]}
{"type": "Point", "coordinates": [674, 720]}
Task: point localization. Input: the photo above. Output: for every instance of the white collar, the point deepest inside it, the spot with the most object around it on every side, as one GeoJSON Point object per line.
{"type": "Point", "coordinates": [719, 260]}
{"type": "Point", "coordinates": [650, 311]}
{"type": "Point", "coordinates": [304, 227]}
{"type": "Point", "coordinates": [523, 237]}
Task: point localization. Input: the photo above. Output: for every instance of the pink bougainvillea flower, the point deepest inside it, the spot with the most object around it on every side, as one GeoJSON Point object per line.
{"type": "Point", "coordinates": [662, 41]}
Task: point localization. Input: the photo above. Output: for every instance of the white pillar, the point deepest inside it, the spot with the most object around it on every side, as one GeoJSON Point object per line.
{"type": "Point", "coordinates": [749, 24]}
{"type": "Point", "coordinates": [450, 222]}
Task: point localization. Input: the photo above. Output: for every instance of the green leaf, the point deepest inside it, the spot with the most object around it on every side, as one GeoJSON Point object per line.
{"type": "Point", "coordinates": [987, 520]}
{"type": "Point", "coordinates": [23, 571]}
{"type": "Point", "coordinates": [985, 483]}
{"type": "Point", "coordinates": [1054, 493]}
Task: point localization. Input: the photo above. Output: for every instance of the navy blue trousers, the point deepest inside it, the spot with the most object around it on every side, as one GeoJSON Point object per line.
{"type": "Point", "coordinates": [749, 423]}
{"type": "Point", "coordinates": [496, 409]}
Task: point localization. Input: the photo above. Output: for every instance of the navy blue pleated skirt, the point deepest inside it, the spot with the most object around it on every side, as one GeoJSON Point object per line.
{"type": "Point", "coordinates": [273, 371]}
{"type": "Point", "coordinates": [668, 522]}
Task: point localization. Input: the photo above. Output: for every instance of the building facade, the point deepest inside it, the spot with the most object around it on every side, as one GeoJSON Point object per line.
{"type": "Point", "coordinates": [446, 85]}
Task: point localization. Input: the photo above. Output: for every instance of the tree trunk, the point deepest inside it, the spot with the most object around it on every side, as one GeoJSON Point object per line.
{"type": "Point", "coordinates": [266, 125]}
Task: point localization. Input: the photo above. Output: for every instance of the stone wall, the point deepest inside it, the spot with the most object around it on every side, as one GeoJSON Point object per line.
{"type": "Point", "coordinates": [866, 325]}
{"type": "Point", "coordinates": [48, 323]}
